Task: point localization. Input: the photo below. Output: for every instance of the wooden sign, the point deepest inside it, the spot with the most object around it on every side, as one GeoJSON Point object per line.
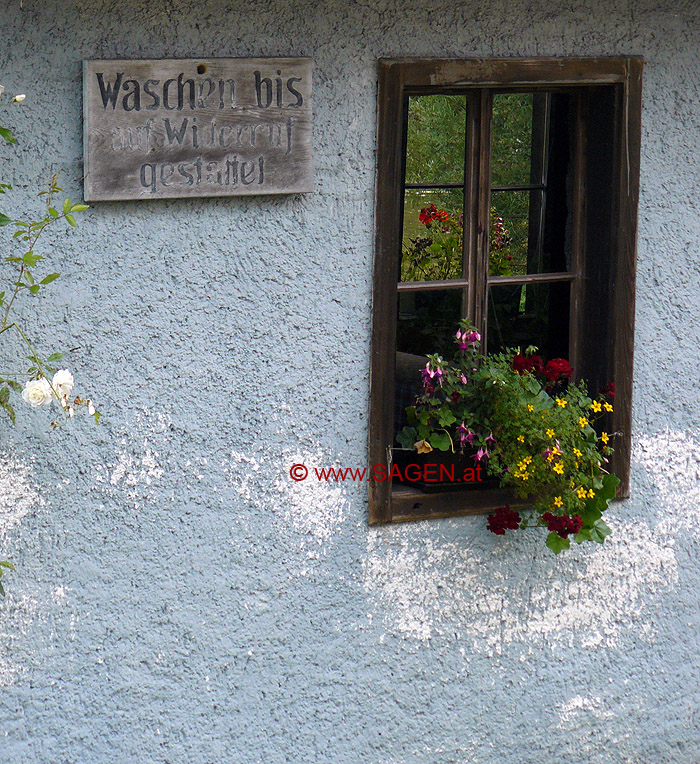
{"type": "Point", "coordinates": [176, 128]}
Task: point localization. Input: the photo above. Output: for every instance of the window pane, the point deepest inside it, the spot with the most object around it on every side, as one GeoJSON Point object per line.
{"type": "Point", "coordinates": [530, 314]}
{"type": "Point", "coordinates": [511, 139]}
{"type": "Point", "coordinates": [509, 234]}
{"type": "Point", "coordinates": [435, 139]}
{"type": "Point", "coordinates": [427, 322]}
{"type": "Point", "coordinates": [432, 249]}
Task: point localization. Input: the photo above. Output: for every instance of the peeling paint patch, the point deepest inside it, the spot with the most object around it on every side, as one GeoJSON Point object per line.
{"type": "Point", "coordinates": [422, 583]}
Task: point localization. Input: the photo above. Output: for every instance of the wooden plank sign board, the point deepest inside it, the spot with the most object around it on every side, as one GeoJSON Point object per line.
{"type": "Point", "coordinates": [197, 127]}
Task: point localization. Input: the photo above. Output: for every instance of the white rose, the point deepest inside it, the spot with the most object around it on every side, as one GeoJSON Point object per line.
{"type": "Point", "coordinates": [19, 98]}
{"type": "Point", "coordinates": [37, 392]}
{"type": "Point", "coordinates": [62, 383]}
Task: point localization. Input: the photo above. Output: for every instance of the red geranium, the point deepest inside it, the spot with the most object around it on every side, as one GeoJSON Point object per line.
{"type": "Point", "coordinates": [523, 363]}
{"type": "Point", "coordinates": [428, 214]}
{"type": "Point", "coordinates": [563, 524]}
{"type": "Point", "coordinates": [558, 369]}
{"type": "Point", "coordinates": [608, 390]}
{"type": "Point", "coordinates": [503, 519]}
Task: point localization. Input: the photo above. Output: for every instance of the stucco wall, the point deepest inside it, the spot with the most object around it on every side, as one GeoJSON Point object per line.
{"type": "Point", "coordinates": [178, 598]}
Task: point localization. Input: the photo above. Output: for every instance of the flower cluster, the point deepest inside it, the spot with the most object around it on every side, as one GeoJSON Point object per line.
{"type": "Point", "coordinates": [530, 425]}
{"type": "Point", "coordinates": [504, 519]}
{"type": "Point", "coordinates": [431, 213]}
{"type": "Point", "coordinates": [40, 392]}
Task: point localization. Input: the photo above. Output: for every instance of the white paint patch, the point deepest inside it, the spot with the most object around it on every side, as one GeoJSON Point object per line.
{"type": "Point", "coordinates": [19, 495]}
{"type": "Point", "coordinates": [592, 707]}
{"type": "Point", "coordinates": [421, 582]}
{"type": "Point", "coordinates": [137, 468]}
{"type": "Point", "coordinates": [313, 508]}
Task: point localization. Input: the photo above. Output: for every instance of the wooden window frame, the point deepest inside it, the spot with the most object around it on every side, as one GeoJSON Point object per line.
{"type": "Point", "coordinates": [604, 260]}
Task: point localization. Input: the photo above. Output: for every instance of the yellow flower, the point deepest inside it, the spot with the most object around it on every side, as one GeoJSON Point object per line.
{"type": "Point", "coordinates": [581, 493]}
{"type": "Point", "coordinates": [582, 421]}
{"type": "Point", "coordinates": [550, 457]}
{"type": "Point", "coordinates": [561, 402]}
{"type": "Point", "coordinates": [591, 493]}
{"type": "Point", "coordinates": [577, 453]}
{"type": "Point", "coordinates": [558, 468]}
{"type": "Point", "coordinates": [572, 484]}
{"type": "Point", "coordinates": [530, 407]}
{"type": "Point", "coordinates": [576, 465]}
{"type": "Point", "coordinates": [596, 406]}
{"type": "Point", "coordinates": [550, 433]}
{"type": "Point", "coordinates": [604, 437]}
{"type": "Point", "coordinates": [423, 447]}
{"type": "Point", "coordinates": [527, 459]}
{"type": "Point", "coordinates": [521, 438]}
{"type": "Point", "coordinates": [608, 407]}
{"type": "Point", "coordinates": [522, 466]}
{"type": "Point", "coordinates": [558, 502]}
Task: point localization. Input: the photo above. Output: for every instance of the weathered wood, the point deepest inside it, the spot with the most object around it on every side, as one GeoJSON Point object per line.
{"type": "Point", "coordinates": [196, 127]}
{"type": "Point", "coordinates": [390, 176]}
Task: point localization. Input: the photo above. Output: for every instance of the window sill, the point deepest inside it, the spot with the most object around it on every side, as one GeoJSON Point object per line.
{"type": "Point", "coordinates": [408, 503]}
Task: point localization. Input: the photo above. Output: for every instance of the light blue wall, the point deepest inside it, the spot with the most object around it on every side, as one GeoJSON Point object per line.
{"type": "Point", "coordinates": [178, 598]}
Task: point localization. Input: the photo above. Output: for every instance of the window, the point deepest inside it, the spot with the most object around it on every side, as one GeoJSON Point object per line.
{"type": "Point", "coordinates": [538, 161]}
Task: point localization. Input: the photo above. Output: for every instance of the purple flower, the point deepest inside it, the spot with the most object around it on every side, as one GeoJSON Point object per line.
{"type": "Point", "coordinates": [481, 455]}
{"type": "Point", "coordinates": [490, 438]}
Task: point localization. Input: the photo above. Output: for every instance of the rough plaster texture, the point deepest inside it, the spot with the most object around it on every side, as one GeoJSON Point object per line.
{"type": "Point", "coordinates": [178, 598]}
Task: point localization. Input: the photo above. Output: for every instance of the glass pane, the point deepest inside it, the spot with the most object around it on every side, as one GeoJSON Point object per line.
{"type": "Point", "coordinates": [511, 139]}
{"type": "Point", "coordinates": [529, 314]}
{"type": "Point", "coordinates": [432, 235]}
{"type": "Point", "coordinates": [435, 139]}
{"type": "Point", "coordinates": [509, 234]}
{"type": "Point", "coordinates": [427, 322]}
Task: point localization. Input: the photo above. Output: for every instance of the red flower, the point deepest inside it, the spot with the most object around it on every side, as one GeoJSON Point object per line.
{"type": "Point", "coordinates": [563, 524]}
{"type": "Point", "coordinates": [558, 369]}
{"type": "Point", "coordinates": [523, 363]}
{"type": "Point", "coordinates": [608, 390]}
{"type": "Point", "coordinates": [504, 519]}
{"type": "Point", "coordinates": [428, 214]}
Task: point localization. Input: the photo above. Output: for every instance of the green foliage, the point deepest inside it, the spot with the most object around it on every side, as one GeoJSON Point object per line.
{"type": "Point", "coordinates": [528, 425]}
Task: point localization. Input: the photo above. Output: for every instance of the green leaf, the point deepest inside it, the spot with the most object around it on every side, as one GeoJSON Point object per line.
{"type": "Point", "coordinates": [447, 418]}
{"type": "Point", "coordinates": [441, 441]}
{"type": "Point", "coordinates": [66, 206]}
{"type": "Point", "coordinates": [31, 258]}
{"type": "Point", "coordinates": [34, 289]}
{"type": "Point", "coordinates": [79, 207]}
{"type": "Point", "coordinates": [4, 220]}
{"type": "Point", "coordinates": [70, 220]}
{"type": "Point", "coordinates": [407, 437]}
{"type": "Point", "coordinates": [11, 383]}
{"type": "Point", "coordinates": [53, 212]}
{"type": "Point", "coordinates": [6, 133]}
{"type": "Point", "coordinates": [556, 543]}
{"type": "Point", "coordinates": [97, 417]}
{"type": "Point", "coordinates": [610, 483]}
{"type": "Point", "coordinates": [48, 279]}
{"type": "Point", "coordinates": [54, 356]}
{"type": "Point", "coordinates": [599, 531]}
{"type": "Point", "coordinates": [4, 395]}
{"type": "Point", "coordinates": [6, 564]}
{"type": "Point", "coordinates": [28, 276]}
